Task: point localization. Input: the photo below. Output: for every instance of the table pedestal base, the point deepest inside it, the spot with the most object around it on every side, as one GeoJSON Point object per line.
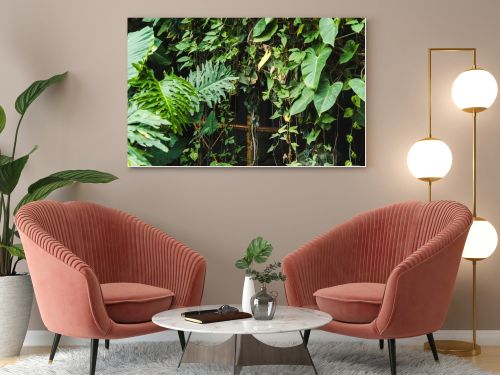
{"type": "Point", "coordinates": [246, 350]}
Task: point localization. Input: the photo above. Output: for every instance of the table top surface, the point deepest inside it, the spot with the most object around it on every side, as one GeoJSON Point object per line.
{"type": "Point", "coordinates": [286, 319]}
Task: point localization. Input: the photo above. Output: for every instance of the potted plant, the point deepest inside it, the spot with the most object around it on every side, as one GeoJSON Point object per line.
{"type": "Point", "coordinates": [258, 251]}
{"type": "Point", "coordinates": [16, 291]}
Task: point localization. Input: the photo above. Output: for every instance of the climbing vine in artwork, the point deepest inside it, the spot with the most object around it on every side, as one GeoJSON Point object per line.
{"type": "Point", "coordinates": [246, 92]}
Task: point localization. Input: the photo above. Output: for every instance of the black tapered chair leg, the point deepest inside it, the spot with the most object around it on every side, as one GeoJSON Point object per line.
{"type": "Point", "coordinates": [106, 344]}
{"type": "Point", "coordinates": [55, 344]}
{"type": "Point", "coordinates": [307, 333]}
{"type": "Point", "coordinates": [432, 344]}
{"type": "Point", "coordinates": [381, 344]}
{"type": "Point", "coordinates": [392, 355]}
{"type": "Point", "coordinates": [182, 339]}
{"type": "Point", "coordinates": [94, 346]}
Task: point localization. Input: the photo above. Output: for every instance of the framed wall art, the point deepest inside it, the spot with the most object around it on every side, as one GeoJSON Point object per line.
{"type": "Point", "coordinates": [273, 92]}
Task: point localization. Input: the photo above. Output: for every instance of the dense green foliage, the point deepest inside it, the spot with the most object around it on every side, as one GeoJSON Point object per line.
{"type": "Point", "coordinates": [244, 91]}
{"type": "Point", "coordinates": [269, 274]}
{"type": "Point", "coordinates": [11, 170]}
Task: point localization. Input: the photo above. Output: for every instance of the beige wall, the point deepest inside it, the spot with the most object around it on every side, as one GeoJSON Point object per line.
{"type": "Point", "coordinates": [81, 124]}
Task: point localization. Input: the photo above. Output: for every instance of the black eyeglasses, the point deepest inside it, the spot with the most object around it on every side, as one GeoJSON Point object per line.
{"type": "Point", "coordinates": [226, 309]}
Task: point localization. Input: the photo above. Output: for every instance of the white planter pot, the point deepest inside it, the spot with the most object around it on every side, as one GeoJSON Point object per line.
{"type": "Point", "coordinates": [16, 298]}
{"type": "Point", "coordinates": [248, 292]}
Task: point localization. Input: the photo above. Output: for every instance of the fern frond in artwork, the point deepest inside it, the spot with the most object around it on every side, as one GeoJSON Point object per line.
{"type": "Point", "coordinates": [213, 82]}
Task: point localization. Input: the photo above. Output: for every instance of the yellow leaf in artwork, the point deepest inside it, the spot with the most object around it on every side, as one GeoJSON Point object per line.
{"type": "Point", "coordinates": [264, 59]}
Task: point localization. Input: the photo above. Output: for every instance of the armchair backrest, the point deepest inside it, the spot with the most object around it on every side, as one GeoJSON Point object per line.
{"type": "Point", "coordinates": [379, 241]}
{"type": "Point", "coordinates": [94, 233]}
{"type": "Point", "coordinates": [387, 236]}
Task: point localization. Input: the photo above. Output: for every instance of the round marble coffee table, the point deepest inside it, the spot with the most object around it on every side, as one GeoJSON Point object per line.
{"type": "Point", "coordinates": [242, 348]}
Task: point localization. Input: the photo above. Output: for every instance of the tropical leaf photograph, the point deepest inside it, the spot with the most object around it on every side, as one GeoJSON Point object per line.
{"type": "Point", "coordinates": [220, 92]}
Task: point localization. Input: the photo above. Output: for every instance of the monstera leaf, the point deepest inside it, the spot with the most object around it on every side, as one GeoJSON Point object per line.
{"type": "Point", "coordinates": [144, 130]}
{"type": "Point", "coordinates": [213, 82]}
{"type": "Point", "coordinates": [258, 250]}
{"type": "Point", "coordinates": [137, 157]}
{"type": "Point", "coordinates": [140, 45]}
{"type": "Point", "coordinates": [173, 98]}
{"type": "Point", "coordinates": [147, 136]}
{"type": "Point", "coordinates": [313, 65]}
{"type": "Point", "coordinates": [142, 116]}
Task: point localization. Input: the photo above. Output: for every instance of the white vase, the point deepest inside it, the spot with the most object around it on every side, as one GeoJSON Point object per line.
{"type": "Point", "coordinates": [248, 292]}
{"type": "Point", "coordinates": [16, 298]}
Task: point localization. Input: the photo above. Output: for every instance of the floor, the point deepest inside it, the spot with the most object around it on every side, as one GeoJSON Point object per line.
{"type": "Point", "coordinates": [25, 353]}
{"type": "Point", "coordinates": [488, 360]}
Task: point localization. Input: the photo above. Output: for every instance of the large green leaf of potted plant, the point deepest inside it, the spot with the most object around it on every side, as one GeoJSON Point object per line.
{"type": "Point", "coordinates": [16, 291]}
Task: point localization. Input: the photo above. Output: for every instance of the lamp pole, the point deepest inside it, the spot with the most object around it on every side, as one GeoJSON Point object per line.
{"type": "Point", "coordinates": [454, 347]}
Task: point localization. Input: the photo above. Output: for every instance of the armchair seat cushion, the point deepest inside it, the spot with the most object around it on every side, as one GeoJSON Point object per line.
{"type": "Point", "coordinates": [351, 303]}
{"type": "Point", "coordinates": [135, 303]}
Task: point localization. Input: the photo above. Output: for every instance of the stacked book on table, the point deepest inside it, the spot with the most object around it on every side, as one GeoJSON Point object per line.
{"type": "Point", "coordinates": [213, 316]}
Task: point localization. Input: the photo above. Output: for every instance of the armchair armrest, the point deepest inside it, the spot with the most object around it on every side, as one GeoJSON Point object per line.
{"type": "Point", "coordinates": [419, 289]}
{"type": "Point", "coordinates": [165, 262]}
{"type": "Point", "coordinates": [67, 290]}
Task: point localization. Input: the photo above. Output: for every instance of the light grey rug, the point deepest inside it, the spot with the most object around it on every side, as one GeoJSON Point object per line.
{"type": "Point", "coordinates": [161, 358]}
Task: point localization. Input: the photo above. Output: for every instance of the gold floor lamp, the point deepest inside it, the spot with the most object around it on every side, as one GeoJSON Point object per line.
{"type": "Point", "coordinates": [430, 159]}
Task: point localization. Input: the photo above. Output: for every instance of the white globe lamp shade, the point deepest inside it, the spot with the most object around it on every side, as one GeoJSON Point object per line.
{"type": "Point", "coordinates": [474, 90]}
{"type": "Point", "coordinates": [481, 241]}
{"type": "Point", "coordinates": [429, 159]}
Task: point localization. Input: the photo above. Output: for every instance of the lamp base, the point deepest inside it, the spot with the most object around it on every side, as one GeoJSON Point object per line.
{"type": "Point", "coordinates": [456, 348]}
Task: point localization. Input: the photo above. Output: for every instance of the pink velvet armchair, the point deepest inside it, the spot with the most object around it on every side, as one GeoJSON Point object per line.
{"type": "Point", "coordinates": [99, 273]}
{"type": "Point", "coordinates": [385, 274]}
